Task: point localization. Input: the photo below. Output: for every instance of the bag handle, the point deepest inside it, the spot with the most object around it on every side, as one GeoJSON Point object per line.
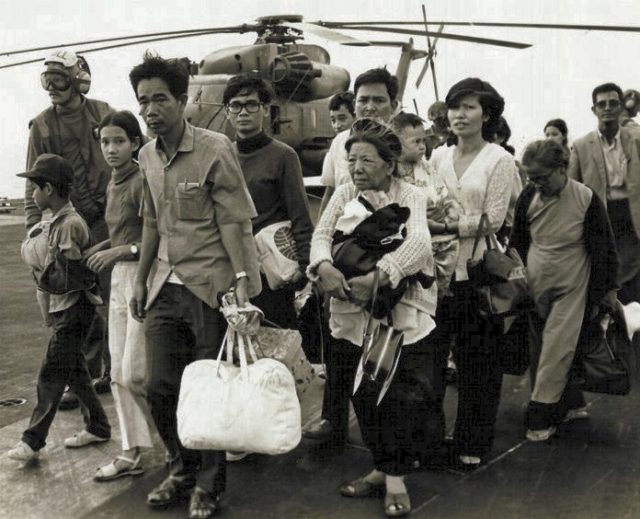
{"type": "Point", "coordinates": [228, 342]}
{"type": "Point", "coordinates": [368, 332]}
{"type": "Point", "coordinates": [484, 222]}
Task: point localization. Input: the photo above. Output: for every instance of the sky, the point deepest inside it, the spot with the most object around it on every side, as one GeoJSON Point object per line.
{"type": "Point", "coordinates": [553, 78]}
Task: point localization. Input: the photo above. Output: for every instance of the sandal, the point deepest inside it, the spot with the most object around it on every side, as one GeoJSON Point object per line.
{"type": "Point", "coordinates": [111, 471]}
{"type": "Point", "coordinates": [361, 488]}
{"type": "Point", "coordinates": [396, 505]}
{"type": "Point", "coordinates": [203, 504]}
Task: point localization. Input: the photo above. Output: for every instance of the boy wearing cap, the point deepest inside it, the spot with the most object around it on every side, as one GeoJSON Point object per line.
{"type": "Point", "coordinates": [71, 300]}
{"type": "Point", "coordinates": [68, 128]}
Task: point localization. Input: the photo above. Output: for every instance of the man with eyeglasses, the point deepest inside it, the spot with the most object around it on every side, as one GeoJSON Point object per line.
{"type": "Point", "coordinates": [69, 128]}
{"type": "Point", "coordinates": [273, 175]}
{"type": "Point", "coordinates": [608, 161]}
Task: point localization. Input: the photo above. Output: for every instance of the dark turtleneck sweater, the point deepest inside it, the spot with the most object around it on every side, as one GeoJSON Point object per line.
{"type": "Point", "coordinates": [274, 177]}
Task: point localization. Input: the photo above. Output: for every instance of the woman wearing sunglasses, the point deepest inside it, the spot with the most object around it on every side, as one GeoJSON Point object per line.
{"type": "Point", "coordinates": [562, 232]}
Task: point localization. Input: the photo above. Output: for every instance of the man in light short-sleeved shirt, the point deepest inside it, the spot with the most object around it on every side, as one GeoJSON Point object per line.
{"type": "Point", "coordinates": [197, 228]}
{"type": "Point", "coordinates": [375, 96]}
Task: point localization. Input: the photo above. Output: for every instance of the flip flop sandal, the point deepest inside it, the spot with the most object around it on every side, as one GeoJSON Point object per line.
{"type": "Point", "coordinates": [396, 505]}
{"type": "Point", "coordinates": [203, 504]}
{"type": "Point", "coordinates": [111, 471]}
{"type": "Point", "coordinates": [361, 488]}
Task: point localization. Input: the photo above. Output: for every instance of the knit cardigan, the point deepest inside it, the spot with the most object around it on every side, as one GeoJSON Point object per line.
{"type": "Point", "coordinates": [413, 256]}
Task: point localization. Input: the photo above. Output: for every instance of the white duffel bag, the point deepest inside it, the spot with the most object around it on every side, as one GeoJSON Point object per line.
{"type": "Point", "coordinates": [251, 408]}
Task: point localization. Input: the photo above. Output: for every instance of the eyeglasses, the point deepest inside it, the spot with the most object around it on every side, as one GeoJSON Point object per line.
{"type": "Point", "coordinates": [611, 103]}
{"type": "Point", "coordinates": [250, 106]}
{"type": "Point", "coordinates": [539, 181]}
{"type": "Point", "coordinates": [58, 81]}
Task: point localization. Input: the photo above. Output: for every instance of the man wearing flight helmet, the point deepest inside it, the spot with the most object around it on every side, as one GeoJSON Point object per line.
{"type": "Point", "coordinates": [69, 128]}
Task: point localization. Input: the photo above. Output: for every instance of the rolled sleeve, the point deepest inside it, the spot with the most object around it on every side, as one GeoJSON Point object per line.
{"type": "Point", "coordinates": [70, 238]}
{"type": "Point", "coordinates": [148, 207]}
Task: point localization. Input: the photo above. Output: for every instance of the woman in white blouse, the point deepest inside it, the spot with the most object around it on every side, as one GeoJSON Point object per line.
{"type": "Point", "coordinates": [479, 175]}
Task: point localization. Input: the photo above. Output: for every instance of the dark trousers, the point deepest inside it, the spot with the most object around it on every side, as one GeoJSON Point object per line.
{"type": "Point", "coordinates": [65, 364]}
{"type": "Point", "coordinates": [96, 347]}
{"type": "Point", "coordinates": [479, 375]}
{"type": "Point", "coordinates": [408, 424]}
{"type": "Point", "coordinates": [277, 305]}
{"type": "Point", "coordinates": [341, 360]}
{"type": "Point", "coordinates": [181, 329]}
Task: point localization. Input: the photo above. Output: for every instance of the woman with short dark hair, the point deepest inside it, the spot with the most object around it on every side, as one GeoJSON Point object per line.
{"type": "Point", "coordinates": [557, 131]}
{"type": "Point", "coordinates": [562, 232]}
{"type": "Point", "coordinates": [408, 423]}
{"type": "Point", "coordinates": [479, 175]}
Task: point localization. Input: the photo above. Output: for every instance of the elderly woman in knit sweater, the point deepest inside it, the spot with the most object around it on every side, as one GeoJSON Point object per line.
{"type": "Point", "coordinates": [408, 424]}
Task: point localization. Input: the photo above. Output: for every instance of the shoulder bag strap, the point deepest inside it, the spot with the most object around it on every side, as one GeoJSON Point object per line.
{"type": "Point", "coordinates": [484, 222]}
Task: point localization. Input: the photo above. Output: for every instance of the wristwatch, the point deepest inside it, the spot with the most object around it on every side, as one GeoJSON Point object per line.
{"type": "Point", "coordinates": [134, 250]}
{"type": "Point", "coordinates": [241, 274]}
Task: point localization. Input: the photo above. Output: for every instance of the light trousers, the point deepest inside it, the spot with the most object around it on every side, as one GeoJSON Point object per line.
{"type": "Point", "coordinates": [129, 361]}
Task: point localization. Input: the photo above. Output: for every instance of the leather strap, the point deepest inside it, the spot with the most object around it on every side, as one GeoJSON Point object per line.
{"type": "Point", "coordinates": [484, 222]}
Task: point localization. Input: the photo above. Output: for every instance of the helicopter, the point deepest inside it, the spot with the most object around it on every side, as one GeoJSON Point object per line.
{"type": "Point", "coordinates": [301, 74]}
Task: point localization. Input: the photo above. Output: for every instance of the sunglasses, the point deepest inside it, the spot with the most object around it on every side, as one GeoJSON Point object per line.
{"type": "Point", "coordinates": [250, 106]}
{"type": "Point", "coordinates": [57, 81]}
{"type": "Point", "coordinates": [611, 103]}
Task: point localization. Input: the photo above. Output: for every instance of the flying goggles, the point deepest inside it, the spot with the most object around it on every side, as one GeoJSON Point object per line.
{"type": "Point", "coordinates": [58, 80]}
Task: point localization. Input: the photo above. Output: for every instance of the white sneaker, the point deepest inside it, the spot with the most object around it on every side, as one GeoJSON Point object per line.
{"type": "Point", "coordinates": [22, 452]}
{"type": "Point", "coordinates": [581, 413]}
{"type": "Point", "coordinates": [540, 435]}
{"type": "Point", "coordinates": [83, 439]}
{"type": "Point", "coordinates": [236, 456]}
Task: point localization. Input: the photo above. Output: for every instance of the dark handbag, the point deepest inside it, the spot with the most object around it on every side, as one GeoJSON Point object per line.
{"type": "Point", "coordinates": [358, 253]}
{"type": "Point", "coordinates": [380, 352]}
{"type": "Point", "coordinates": [499, 278]}
{"type": "Point", "coordinates": [63, 275]}
{"type": "Point", "coordinates": [602, 363]}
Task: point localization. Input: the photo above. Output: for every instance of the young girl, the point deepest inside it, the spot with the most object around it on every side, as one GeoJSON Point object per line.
{"type": "Point", "coordinates": [120, 139]}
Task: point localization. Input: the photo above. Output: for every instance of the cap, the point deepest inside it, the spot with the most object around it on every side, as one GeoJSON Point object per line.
{"type": "Point", "coordinates": [52, 168]}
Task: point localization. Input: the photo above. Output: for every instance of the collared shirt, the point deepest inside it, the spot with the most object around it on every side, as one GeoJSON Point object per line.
{"type": "Point", "coordinates": [187, 198]}
{"type": "Point", "coordinates": [123, 213]}
{"type": "Point", "coordinates": [616, 164]}
{"type": "Point", "coordinates": [335, 168]}
{"type": "Point", "coordinates": [69, 234]}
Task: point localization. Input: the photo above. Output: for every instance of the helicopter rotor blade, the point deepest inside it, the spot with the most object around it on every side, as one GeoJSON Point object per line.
{"type": "Point", "coordinates": [446, 36]}
{"type": "Point", "coordinates": [329, 34]}
{"type": "Point", "coordinates": [115, 46]}
{"type": "Point", "coordinates": [209, 30]}
{"type": "Point", "coordinates": [429, 60]}
{"type": "Point", "coordinates": [515, 25]}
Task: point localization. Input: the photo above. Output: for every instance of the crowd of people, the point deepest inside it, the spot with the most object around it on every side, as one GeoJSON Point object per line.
{"type": "Point", "coordinates": [169, 223]}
